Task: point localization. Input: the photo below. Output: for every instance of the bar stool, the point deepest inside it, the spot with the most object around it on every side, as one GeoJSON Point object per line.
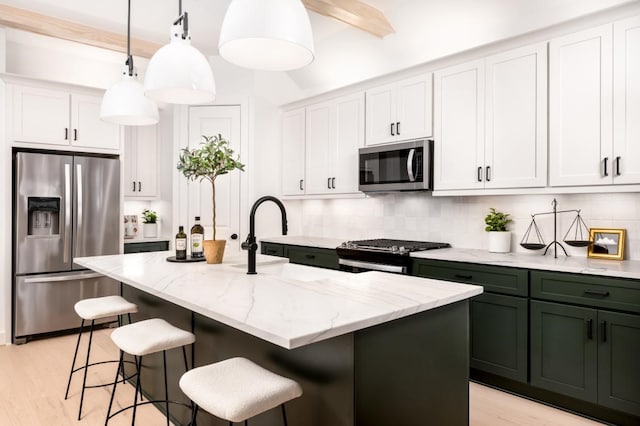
{"type": "Point", "coordinates": [91, 310]}
{"type": "Point", "coordinates": [145, 338]}
{"type": "Point", "coordinates": [237, 389]}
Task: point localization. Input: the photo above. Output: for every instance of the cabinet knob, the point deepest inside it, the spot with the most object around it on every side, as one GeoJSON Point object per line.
{"type": "Point", "coordinates": [234, 236]}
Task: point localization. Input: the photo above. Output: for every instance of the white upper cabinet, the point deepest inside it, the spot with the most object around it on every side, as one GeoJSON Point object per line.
{"type": "Point", "coordinates": [459, 127]}
{"type": "Point", "coordinates": [626, 101]}
{"type": "Point", "coordinates": [319, 133]}
{"type": "Point", "coordinates": [141, 162]}
{"type": "Point", "coordinates": [516, 118]}
{"type": "Point", "coordinates": [400, 111]}
{"type": "Point", "coordinates": [293, 152]}
{"type": "Point", "coordinates": [580, 108]}
{"type": "Point", "coordinates": [58, 117]}
{"type": "Point", "coordinates": [490, 122]}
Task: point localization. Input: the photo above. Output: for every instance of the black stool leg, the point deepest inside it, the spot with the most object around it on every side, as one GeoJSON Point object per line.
{"type": "Point", "coordinates": [73, 363]}
{"type": "Point", "coordinates": [284, 415]}
{"type": "Point", "coordinates": [86, 368]}
{"type": "Point", "coordinates": [138, 390]}
{"type": "Point", "coordinates": [166, 386]}
{"type": "Point", "coordinates": [113, 391]}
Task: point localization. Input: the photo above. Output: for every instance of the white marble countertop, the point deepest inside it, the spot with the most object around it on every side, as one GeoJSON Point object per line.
{"type": "Point", "coordinates": [298, 240]}
{"type": "Point", "coordinates": [286, 304]}
{"type": "Point", "coordinates": [573, 264]}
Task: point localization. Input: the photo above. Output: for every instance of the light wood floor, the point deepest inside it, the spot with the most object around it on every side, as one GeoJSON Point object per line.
{"type": "Point", "coordinates": [33, 378]}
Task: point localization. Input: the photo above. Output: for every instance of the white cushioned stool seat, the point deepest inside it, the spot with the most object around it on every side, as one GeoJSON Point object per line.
{"type": "Point", "coordinates": [236, 389]}
{"type": "Point", "coordinates": [150, 336]}
{"type": "Point", "coordinates": [102, 307]}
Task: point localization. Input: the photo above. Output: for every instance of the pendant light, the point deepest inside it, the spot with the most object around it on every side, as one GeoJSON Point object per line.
{"type": "Point", "coordinates": [270, 35]}
{"type": "Point", "coordinates": [178, 73]}
{"type": "Point", "coordinates": [124, 102]}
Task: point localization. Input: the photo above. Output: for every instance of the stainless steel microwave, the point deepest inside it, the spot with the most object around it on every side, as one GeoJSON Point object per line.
{"type": "Point", "coordinates": [406, 166]}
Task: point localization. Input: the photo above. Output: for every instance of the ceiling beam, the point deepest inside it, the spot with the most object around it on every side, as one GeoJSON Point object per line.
{"type": "Point", "coordinates": [355, 13]}
{"type": "Point", "coordinates": [37, 23]}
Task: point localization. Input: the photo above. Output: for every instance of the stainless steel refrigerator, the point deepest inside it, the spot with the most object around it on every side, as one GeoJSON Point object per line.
{"type": "Point", "coordinates": [65, 206]}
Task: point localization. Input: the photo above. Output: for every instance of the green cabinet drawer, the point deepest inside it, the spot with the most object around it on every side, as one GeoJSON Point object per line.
{"type": "Point", "coordinates": [146, 247]}
{"type": "Point", "coordinates": [323, 258]}
{"type": "Point", "coordinates": [496, 279]}
{"type": "Point", "coordinates": [273, 249]}
{"type": "Point", "coordinates": [589, 290]}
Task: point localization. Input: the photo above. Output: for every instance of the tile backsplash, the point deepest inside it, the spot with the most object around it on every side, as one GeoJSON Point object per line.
{"type": "Point", "coordinates": [460, 220]}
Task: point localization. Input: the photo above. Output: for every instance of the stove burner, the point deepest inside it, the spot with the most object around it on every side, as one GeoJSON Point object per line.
{"type": "Point", "coordinates": [393, 246]}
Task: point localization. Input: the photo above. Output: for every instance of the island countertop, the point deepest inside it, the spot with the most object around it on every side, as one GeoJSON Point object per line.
{"type": "Point", "coordinates": [285, 304]}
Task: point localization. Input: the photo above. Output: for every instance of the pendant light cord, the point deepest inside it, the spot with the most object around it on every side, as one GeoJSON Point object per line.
{"type": "Point", "coordinates": [129, 57]}
{"type": "Point", "coordinates": [183, 18]}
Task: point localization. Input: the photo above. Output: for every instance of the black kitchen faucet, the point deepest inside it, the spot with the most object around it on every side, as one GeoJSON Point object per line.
{"type": "Point", "coordinates": [250, 243]}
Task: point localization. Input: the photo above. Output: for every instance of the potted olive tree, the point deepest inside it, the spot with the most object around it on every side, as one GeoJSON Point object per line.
{"type": "Point", "coordinates": [214, 157]}
{"type": "Point", "coordinates": [149, 223]}
{"type": "Point", "coordinates": [499, 236]}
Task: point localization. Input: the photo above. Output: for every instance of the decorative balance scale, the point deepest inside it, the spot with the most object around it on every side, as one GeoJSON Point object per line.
{"type": "Point", "coordinates": [577, 235]}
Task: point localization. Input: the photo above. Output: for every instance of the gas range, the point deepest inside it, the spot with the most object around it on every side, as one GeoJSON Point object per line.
{"type": "Point", "coordinates": [381, 254]}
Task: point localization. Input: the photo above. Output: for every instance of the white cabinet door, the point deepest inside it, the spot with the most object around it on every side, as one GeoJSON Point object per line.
{"type": "Point", "coordinates": [381, 114]}
{"type": "Point", "coordinates": [40, 115]}
{"type": "Point", "coordinates": [320, 136]}
{"type": "Point", "coordinates": [349, 136]}
{"type": "Point", "coordinates": [141, 162]}
{"type": "Point", "coordinates": [516, 118]}
{"type": "Point", "coordinates": [626, 107]}
{"type": "Point", "coordinates": [414, 115]}
{"type": "Point", "coordinates": [88, 130]}
{"type": "Point", "coordinates": [459, 127]}
{"type": "Point", "coordinates": [580, 108]}
{"type": "Point", "coordinates": [400, 111]}
{"type": "Point", "coordinates": [129, 157]}
{"type": "Point", "coordinates": [293, 152]}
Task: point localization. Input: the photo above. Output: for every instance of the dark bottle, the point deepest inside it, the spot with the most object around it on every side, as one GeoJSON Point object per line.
{"type": "Point", "coordinates": [197, 236]}
{"type": "Point", "coordinates": [181, 244]}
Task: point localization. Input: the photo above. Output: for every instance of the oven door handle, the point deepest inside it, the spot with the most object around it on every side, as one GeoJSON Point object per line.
{"type": "Point", "coordinates": [412, 177]}
{"type": "Point", "coordinates": [373, 266]}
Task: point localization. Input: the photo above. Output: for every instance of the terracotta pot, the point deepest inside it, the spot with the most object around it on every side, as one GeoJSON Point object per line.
{"type": "Point", "coordinates": [214, 250]}
{"type": "Point", "coordinates": [499, 241]}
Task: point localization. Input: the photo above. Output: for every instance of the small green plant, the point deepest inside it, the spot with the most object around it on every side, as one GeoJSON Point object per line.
{"type": "Point", "coordinates": [496, 221]}
{"type": "Point", "coordinates": [213, 158]}
{"type": "Point", "coordinates": [149, 216]}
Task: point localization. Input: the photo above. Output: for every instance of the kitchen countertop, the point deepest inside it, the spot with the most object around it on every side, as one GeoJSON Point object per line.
{"type": "Point", "coordinates": [286, 304]}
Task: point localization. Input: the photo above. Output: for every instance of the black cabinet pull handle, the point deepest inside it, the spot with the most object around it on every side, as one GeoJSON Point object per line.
{"type": "Point", "coordinates": [333, 183]}
{"type": "Point", "coordinates": [606, 162]}
{"type": "Point", "coordinates": [397, 128]}
{"type": "Point", "coordinates": [590, 329]}
{"type": "Point", "coordinates": [75, 134]}
{"type": "Point", "coordinates": [328, 183]}
{"type": "Point", "coordinates": [66, 133]}
{"type": "Point", "coordinates": [301, 189]}
{"type": "Point", "coordinates": [601, 293]}
{"type": "Point", "coordinates": [134, 186]}
{"type": "Point", "coordinates": [392, 132]}
{"type": "Point", "coordinates": [618, 173]}
{"type": "Point", "coordinates": [488, 173]}
{"type": "Point", "coordinates": [139, 186]}
{"type": "Point", "coordinates": [310, 256]}
{"type": "Point", "coordinates": [603, 328]}
{"type": "Point", "coordinates": [272, 251]}
{"type": "Point", "coordinates": [463, 277]}
{"type": "Point", "coordinates": [479, 174]}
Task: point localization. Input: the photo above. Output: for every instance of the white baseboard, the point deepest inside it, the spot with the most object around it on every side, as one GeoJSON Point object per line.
{"type": "Point", "coordinates": [3, 338]}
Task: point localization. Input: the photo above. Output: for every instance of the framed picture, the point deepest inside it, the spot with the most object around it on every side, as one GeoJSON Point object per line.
{"type": "Point", "coordinates": [607, 243]}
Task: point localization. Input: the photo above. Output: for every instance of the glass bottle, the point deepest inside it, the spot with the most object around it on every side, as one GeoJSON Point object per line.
{"type": "Point", "coordinates": [181, 244]}
{"type": "Point", "coordinates": [197, 236]}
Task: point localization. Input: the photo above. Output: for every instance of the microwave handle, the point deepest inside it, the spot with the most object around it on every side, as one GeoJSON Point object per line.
{"type": "Point", "coordinates": [412, 177]}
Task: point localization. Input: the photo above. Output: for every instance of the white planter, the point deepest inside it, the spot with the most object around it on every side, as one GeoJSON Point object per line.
{"type": "Point", "coordinates": [149, 230]}
{"type": "Point", "coordinates": [499, 242]}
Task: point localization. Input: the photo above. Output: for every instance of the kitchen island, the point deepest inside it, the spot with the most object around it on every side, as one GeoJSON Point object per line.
{"type": "Point", "coordinates": [368, 349]}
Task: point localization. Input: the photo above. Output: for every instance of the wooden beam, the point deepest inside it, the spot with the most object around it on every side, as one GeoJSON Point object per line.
{"type": "Point", "coordinates": [37, 23]}
{"type": "Point", "coordinates": [355, 13]}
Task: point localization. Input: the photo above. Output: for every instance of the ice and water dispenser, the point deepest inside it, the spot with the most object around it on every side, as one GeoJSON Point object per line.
{"type": "Point", "coordinates": [44, 216]}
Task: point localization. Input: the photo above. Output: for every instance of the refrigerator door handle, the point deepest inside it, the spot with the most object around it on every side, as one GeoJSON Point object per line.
{"type": "Point", "coordinates": [67, 212]}
{"type": "Point", "coordinates": [59, 278]}
{"type": "Point", "coordinates": [78, 204]}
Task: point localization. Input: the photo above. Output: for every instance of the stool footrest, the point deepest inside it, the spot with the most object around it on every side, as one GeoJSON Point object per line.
{"type": "Point", "coordinates": [128, 407]}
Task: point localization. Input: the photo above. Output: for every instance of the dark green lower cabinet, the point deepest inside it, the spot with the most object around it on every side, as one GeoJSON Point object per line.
{"type": "Point", "coordinates": [619, 361]}
{"type": "Point", "coordinates": [323, 258]}
{"type": "Point", "coordinates": [143, 247]}
{"type": "Point", "coordinates": [499, 327]}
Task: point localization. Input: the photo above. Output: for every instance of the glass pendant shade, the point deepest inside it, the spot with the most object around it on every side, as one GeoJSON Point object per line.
{"type": "Point", "coordinates": [270, 35]}
{"type": "Point", "coordinates": [125, 103]}
{"type": "Point", "coordinates": [179, 74]}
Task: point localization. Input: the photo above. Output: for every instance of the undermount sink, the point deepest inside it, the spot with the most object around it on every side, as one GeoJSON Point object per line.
{"type": "Point", "coordinates": [293, 271]}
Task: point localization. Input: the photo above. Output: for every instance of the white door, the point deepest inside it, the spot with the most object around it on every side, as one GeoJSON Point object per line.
{"type": "Point", "coordinates": [210, 121]}
{"type": "Point", "coordinates": [40, 115]}
{"type": "Point", "coordinates": [459, 127]}
{"type": "Point", "coordinates": [414, 116]}
{"type": "Point", "coordinates": [580, 108]}
{"type": "Point", "coordinates": [381, 114]}
{"type": "Point", "coordinates": [516, 118]}
{"type": "Point", "coordinates": [349, 136]}
{"type": "Point", "coordinates": [319, 133]}
{"type": "Point", "coordinates": [88, 130]}
{"type": "Point", "coordinates": [293, 152]}
{"type": "Point", "coordinates": [626, 98]}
